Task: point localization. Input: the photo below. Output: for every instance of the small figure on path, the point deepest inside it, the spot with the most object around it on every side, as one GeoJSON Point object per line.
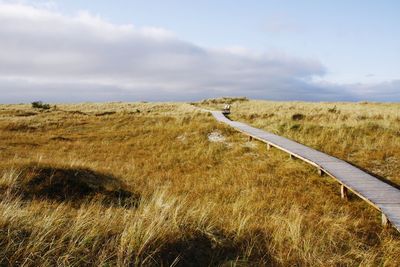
{"type": "Point", "coordinates": [227, 109]}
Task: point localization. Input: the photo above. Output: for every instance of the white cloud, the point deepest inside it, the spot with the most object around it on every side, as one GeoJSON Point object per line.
{"type": "Point", "coordinates": [49, 56]}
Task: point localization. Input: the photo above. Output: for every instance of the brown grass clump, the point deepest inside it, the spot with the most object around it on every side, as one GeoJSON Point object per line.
{"type": "Point", "coordinates": [201, 202]}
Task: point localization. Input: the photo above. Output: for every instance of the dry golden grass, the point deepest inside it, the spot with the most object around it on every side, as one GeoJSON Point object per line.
{"type": "Point", "coordinates": [365, 134]}
{"type": "Point", "coordinates": [200, 203]}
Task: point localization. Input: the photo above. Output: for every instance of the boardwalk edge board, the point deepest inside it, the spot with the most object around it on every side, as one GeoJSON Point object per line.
{"type": "Point", "coordinates": [382, 196]}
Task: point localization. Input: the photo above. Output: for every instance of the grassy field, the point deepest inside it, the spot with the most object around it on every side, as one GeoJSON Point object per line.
{"type": "Point", "coordinates": [164, 184]}
{"type": "Point", "coordinates": [365, 134]}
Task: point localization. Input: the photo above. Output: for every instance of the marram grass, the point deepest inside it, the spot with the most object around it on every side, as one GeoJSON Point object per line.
{"type": "Point", "coordinates": [199, 202]}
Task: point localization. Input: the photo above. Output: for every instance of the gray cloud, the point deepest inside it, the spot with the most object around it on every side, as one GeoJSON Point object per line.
{"type": "Point", "coordinates": [49, 56]}
{"type": "Point", "coordinates": [385, 91]}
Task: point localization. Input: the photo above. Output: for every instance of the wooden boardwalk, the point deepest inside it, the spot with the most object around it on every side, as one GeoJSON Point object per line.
{"type": "Point", "coordinates": [379, 194]}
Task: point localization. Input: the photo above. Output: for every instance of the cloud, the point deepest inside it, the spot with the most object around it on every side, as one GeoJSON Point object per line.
{"type": "Point", "coordinates": [49, 56]}
{"type": "Point", "coordinates": [385, 91]}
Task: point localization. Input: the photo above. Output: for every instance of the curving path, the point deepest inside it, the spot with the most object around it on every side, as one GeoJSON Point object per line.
{"type": "Point", "coordinates": [379, 194]}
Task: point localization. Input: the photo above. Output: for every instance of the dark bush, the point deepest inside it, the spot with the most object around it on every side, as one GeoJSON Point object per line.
{"type": "Point", "coordinates": [253, 116]}
{"type": "Point", "coordinates": [25, 114]}
{"type": "Point", "coordinates": [224, 100]}
{"type": "Point", "coordinates": [297, 117]}
{"type": "Point", "coordinates": [295, 127]}
{"type": "Point", "coordinates": [333, 110]}
{"type": "Point", "coordinates": [40, 105]}
{"type": "Point", "coordinates": [362, 117]}
{"type": "Point", "coordinates": [268, 115]}
{"type": "Point", "coordinates": [105, 113]}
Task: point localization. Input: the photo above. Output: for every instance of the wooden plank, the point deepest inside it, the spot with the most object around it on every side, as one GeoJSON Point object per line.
{"type": "Point", "coordinates": [377, 193]}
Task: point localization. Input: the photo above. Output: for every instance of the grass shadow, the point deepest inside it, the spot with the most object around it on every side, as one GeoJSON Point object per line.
{"type": "Point", "coordinates": [201, 249]}
{"type": "Point", "coordinates": [74, 185]}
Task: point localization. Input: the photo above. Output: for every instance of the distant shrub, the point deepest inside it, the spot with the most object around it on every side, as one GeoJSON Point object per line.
{"type": "Point", "coordinates": [135, 111]}
{"type": "Point", "coordinates": [373, 126]}
{"type": "Point", "coordinates": [77, 112]}
{"type": "Point", "coordinates": [61, 139]}
{"type": "Point", "coordinates": [268, 115]}
{"type": "Point", "coordinates": [298, 117]}
{"type": "Point", "coordinates": [282, 128]}
{"type": "Point", "coordinates": [19, 127]}
{"type": "Point", "coordinates": [40, 105]}
{"type": "Point", "coordinates": [25, 114]}
{"type": "Point", "coordinates": [224, 100]}
{"type": "Point", "coordinates": [377, 117]}
{"type": "Point", "coordinates": [295, 127]}
{"type": "Point", "coordinates": [361, 117]}
{"type": "Point", "coordinates": [333, 110]}
{"type": "Point", "coordinates": [105, 113]}
{"type": "Point", "coordinates": [253, 116]}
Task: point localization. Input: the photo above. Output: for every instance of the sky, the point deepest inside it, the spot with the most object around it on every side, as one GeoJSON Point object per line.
{"type": "Point", "coordinates": [76, 51]}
